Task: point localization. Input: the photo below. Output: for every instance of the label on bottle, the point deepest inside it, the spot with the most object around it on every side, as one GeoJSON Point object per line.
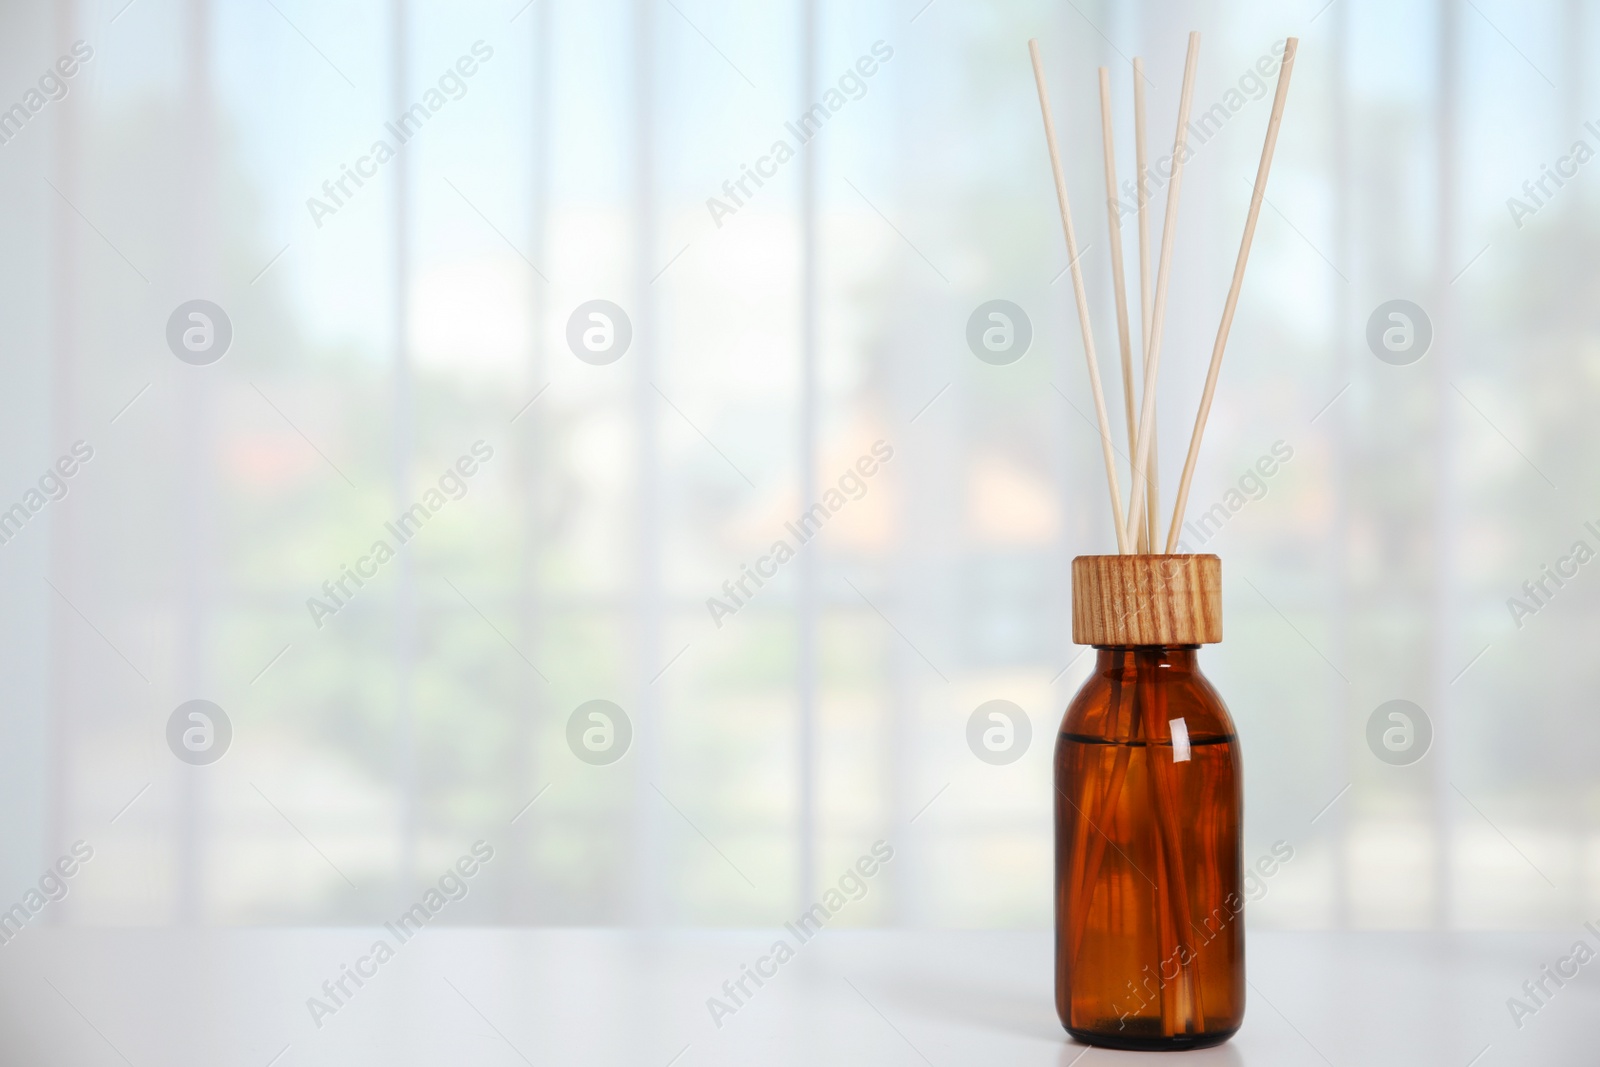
{"type": "Point", "coordinates": [1180, 740]}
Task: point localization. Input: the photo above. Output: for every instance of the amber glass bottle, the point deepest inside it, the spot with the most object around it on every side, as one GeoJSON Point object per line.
{"type": "Point", "coordinates": [1148, 804]}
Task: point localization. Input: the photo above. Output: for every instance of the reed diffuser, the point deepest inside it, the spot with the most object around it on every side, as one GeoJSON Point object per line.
{"type": "Point", "coordinates": [1148, 795]}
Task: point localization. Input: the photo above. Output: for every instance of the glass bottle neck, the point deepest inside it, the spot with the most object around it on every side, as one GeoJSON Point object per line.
{"type": "Point", "coordinates": [1179, 659]}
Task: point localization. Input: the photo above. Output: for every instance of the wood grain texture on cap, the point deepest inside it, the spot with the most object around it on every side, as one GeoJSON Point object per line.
{"type": "Point", "coordinates": [1147, 600]}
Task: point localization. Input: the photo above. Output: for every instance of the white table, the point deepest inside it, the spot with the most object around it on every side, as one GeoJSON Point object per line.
{"type": "Point", "coordinates": [237, 998]}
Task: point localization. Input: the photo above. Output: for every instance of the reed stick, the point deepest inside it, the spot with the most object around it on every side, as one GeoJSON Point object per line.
{"type": "Point", "coordinates": [1167, 992]}
{"type": "Point", "coordinates": [1190, 1009]}
{"type": "Point", "coordinates": [1169, 233]}
{"type": "Point", "coordinates": [1082, 298]}
{"type": "Point", "coordinates": [1105, 811]}
{"type": "Point", "coordinates": [1119, 286]}
{"type": "Point", "coordinates": [1256, 196]}
{"type": "Point", "coordinates": [1141, 170]}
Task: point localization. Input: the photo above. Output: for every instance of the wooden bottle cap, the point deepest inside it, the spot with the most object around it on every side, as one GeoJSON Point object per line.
{"type": "Point", "coordinates": [1147, 600]}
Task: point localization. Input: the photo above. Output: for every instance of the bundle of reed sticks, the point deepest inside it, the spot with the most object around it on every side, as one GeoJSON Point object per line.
{"type": "Point", "coordinates": [1138, 527]}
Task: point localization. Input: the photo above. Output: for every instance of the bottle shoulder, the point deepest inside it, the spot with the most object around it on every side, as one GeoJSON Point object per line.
{"type": "Point", "coordinates": [1138, 702]}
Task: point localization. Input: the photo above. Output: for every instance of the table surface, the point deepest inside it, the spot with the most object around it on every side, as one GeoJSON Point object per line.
{"type": "Point", "coordinates": [223, 998]}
